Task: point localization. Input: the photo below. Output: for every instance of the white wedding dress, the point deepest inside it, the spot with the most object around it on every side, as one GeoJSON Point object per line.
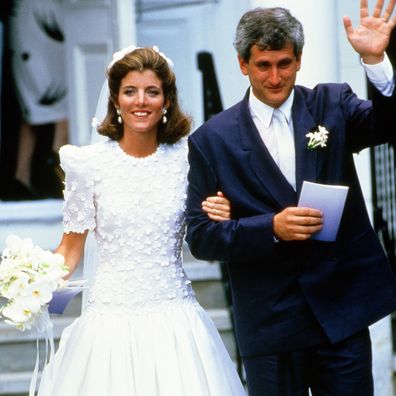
{"type": "Point", "coordinates": [143, 332]}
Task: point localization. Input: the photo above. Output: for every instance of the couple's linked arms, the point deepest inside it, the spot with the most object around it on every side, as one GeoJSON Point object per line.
{"type": "Point", "coordinates": [236, 239]}
{"type": "Point", "coordinates": [217, 208]}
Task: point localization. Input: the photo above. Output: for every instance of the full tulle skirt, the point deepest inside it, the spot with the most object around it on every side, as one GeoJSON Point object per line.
{"type": "Point", "coordinates": [164, 352]}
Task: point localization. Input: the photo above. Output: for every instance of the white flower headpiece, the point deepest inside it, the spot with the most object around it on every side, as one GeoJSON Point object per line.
{"type": "Point", "coordinates": [121, 53]}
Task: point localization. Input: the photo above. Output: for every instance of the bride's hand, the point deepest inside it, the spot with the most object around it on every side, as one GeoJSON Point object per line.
{"type": "Point", "coordinates": [218, 208]}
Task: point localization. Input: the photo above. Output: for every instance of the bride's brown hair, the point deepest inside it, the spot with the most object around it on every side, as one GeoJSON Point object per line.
{"type": "Point", "coordinates": [140, 59]}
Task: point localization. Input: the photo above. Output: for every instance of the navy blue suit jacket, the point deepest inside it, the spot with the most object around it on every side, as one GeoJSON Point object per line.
{"type": "Point", "coordinates": [289, 295]}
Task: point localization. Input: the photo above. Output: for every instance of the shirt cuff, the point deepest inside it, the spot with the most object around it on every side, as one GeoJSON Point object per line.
{"type": "Point", "coordinates": [381, 75]}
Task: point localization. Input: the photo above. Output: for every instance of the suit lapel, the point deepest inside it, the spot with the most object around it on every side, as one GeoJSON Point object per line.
{"type": "Point", "coordinates": [261, 161]}
{"type": "Point", "coordinates": [306, 159]}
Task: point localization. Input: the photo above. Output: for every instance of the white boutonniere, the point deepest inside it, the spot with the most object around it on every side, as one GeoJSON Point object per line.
{"type": "Point", "coordinates": [317, 138]}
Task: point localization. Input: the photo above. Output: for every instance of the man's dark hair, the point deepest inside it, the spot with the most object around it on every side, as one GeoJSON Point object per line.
{"type": "Point", "coordinates": [269, 29]}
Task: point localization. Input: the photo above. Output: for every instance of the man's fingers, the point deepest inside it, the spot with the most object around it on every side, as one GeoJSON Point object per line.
{"type": "Point", "coordinates": [307, 230]}
{"type": "Point", "coordinates": [296, 223]}
{"type": "Point", "coordinates": [302, 217]}
{"type": "Point", "coordinates": [364, 11]}
{"type": "Point", "coordinates": [293, 229]}
{"type": "Point", "coordinates": [389, 10]}
{"type": "Point", "coordinates": [378, 8]}
{"type": "Point", "coordinates": [348, 26]}
{"type": "Point", "coordinates": [391, 7]}
{"type": "Point", "coordinates": [309, 221]}
{"type": "Point", "coordinates": [299, 233]}
{"type": "Point", "coordinates": [306, 212]}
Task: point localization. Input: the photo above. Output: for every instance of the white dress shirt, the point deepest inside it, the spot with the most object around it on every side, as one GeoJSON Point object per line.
{"type": "Point", "coordinates": [278, 138]}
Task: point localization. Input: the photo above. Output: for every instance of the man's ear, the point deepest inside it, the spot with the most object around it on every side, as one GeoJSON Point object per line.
{"type": "Point", "coordinates": [243, 64]}
{"type": "Point", "coordinates": [299, 56]}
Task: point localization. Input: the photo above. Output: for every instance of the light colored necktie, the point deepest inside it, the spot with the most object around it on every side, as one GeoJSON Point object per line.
{"type": "Point", "coordinates": [270, 140]}
{"type": "Point", "coordinates": [281, 140]}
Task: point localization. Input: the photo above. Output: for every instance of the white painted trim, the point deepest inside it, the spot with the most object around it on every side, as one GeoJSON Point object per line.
{"type": "Point", "coordinates": [28, 211]}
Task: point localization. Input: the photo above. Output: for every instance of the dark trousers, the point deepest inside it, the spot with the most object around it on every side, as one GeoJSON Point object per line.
{"type": "Point", "coordinates": [342, 369]}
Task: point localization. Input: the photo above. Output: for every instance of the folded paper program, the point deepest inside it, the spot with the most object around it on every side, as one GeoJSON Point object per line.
{"type": "Point", "coordinates": [330, 199]}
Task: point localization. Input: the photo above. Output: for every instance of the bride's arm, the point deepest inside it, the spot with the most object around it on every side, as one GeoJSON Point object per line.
{"type": "Point", "coordinates": [71, 248]}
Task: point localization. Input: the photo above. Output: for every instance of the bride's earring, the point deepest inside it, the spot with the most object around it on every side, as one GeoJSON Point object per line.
{"type": "Point", "coordinates": [164, 119]}
{"type": "Point", "coordinates": [119, 119]}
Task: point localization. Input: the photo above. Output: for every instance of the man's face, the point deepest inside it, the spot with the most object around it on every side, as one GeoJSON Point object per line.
{"type": "Point", "coordinates": [272, 73]}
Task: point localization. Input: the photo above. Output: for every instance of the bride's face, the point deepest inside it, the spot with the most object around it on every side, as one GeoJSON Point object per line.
{"type": "Point", "coordinates": [141, 100]}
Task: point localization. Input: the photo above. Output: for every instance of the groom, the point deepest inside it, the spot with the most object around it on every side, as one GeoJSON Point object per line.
{"type": "Point", "coordinates": [302, 307]}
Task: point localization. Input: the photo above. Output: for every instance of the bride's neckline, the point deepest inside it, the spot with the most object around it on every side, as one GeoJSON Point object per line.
{"type": "Point", "coordinates": [123, 153]}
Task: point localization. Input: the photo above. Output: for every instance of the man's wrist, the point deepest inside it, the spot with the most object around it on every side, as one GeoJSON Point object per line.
{"type": "Point", "coordinates": [373, 60]}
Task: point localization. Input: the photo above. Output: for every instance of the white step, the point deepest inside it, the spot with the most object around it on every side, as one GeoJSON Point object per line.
{"type": "Point", "coordinates": [15, 383]}
{"type": "Point", "coordinates": [39, 220]}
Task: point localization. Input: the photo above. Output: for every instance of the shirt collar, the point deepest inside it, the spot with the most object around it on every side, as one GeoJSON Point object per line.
{"type": "Point", "coordinates": [264, 112]}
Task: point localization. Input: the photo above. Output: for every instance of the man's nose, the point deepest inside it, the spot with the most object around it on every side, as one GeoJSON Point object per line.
{"type": "Point", "coordinates": [274, 76]}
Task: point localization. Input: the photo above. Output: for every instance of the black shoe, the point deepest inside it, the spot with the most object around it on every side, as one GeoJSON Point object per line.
{"type": "Point", "coordinates": [14, 190]}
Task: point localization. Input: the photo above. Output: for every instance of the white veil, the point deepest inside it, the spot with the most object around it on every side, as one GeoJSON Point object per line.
{"type": "Point", "coordinates": [90, 251]}
{"type": "Point", "coordinates": [100, 114]}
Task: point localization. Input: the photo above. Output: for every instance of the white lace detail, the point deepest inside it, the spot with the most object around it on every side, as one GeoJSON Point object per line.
{"type": "Point", "coordinates": [78, 206]}
{"type": "Point", "coordinates": [127, 199]}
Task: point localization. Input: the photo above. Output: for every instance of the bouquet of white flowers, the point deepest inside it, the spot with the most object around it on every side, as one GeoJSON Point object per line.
{"type": "Point", "coordinates": [28, 277]}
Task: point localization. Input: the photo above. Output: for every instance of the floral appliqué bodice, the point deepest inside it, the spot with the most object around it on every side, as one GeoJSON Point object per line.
{"type": "Point", "coordinates": [136, 208]}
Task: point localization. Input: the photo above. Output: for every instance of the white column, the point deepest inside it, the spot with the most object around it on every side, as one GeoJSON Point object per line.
{"type": "Point", "coordinates": [123, 23]}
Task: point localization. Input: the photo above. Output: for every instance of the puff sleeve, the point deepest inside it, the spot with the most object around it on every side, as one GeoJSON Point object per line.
{"type": "Point", "coordinates": [78, 206]}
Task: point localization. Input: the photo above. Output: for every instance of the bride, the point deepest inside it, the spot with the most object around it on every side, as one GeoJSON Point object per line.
{"type": "Point", "coordinates": [142, 332]}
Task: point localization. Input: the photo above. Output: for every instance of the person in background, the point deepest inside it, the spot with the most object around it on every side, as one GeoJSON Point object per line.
{"type": "Point", "coordinates": [38, 66]}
